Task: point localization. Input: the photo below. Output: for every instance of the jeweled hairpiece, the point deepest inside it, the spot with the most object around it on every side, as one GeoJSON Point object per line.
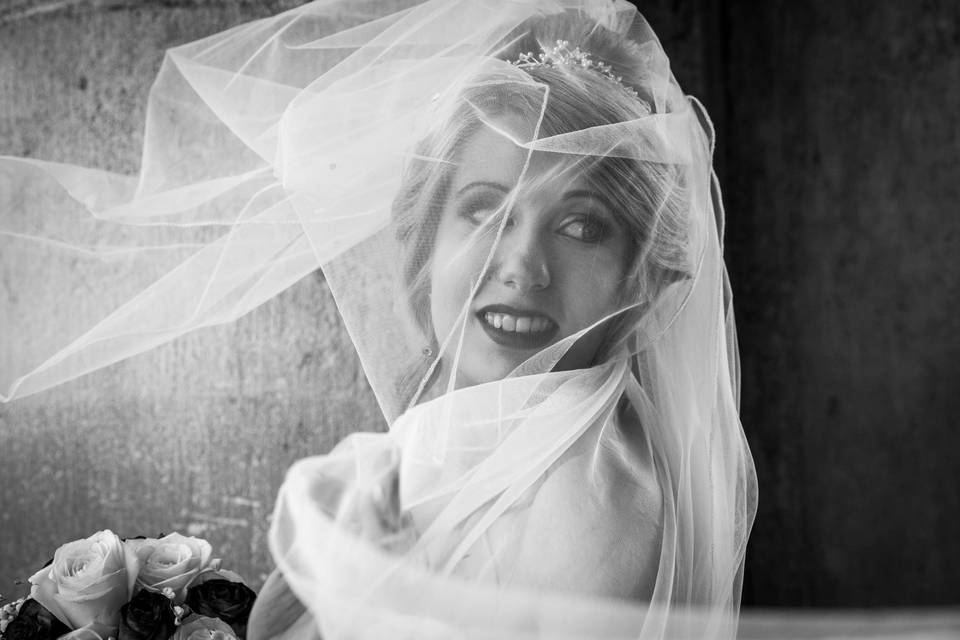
{"type": "Point", "coordinates": [561, 55]}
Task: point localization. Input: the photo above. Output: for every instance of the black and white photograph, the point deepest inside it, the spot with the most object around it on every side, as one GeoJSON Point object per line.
{"type": "Point", "coordinates": [479, 319]}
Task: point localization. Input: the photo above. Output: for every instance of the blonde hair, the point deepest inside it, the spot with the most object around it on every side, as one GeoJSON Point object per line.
{"type": "Point", "coordinates": [654, 194]}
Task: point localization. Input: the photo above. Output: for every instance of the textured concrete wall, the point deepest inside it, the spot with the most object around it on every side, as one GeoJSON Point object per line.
{"type": "Point", "coordinates": [839, 126]}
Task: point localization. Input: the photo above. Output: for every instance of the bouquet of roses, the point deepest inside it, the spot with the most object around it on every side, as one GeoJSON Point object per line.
{"type": "Point", "coordinates": [133, 589]}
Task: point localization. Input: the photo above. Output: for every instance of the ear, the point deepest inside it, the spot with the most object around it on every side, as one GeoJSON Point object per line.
{"type": "Point", "coordinates": [278, 611]}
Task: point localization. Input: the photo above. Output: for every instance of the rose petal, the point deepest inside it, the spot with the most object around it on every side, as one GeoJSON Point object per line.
{"type": "Point", "coordinates": [200, 547]}
{"type": "Point", "coordinates": [173, 562]}
{"type": "Point", "coordinates": [93, 631]}
{"type": "Point", "coordinates": [132, 565]}
{"type": "Point", "coordinates": [96, 589]}
{"type": "Point", "coordinates": [88, 581]}
{"type": "Point", "coordinates": [175, 582]}
{"type": "Point", "coordinates": [44, 591]}
{"type": "Point", "coordinates": [170, 559]}
{"type": "Point", "coordinates": [135, 543]}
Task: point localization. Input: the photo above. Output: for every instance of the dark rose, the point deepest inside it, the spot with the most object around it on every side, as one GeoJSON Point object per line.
{"type": "Point", "coordinates": [34, 622]}
{"type": "Point", "coordinates": [148, 616]}
{"type": "Point", "coordinates": [230, 601]}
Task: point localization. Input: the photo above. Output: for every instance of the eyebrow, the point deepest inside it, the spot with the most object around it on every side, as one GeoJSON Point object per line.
{"type": "Point", "coordinates": [590, 195]}
{"type": "Point", "coordinates": [570, 195]}
{"type": "Point", "coordinates": [483, 183]}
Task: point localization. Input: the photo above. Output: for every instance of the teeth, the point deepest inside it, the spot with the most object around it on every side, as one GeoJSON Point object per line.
{"type": "Point", "coordinates": [517, 324]}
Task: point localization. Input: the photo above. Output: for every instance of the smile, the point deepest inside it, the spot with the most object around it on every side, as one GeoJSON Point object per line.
{"type": "Point", "coordinates": [520, 324]}
{"type": "Point", "coordinates": [517, 329]}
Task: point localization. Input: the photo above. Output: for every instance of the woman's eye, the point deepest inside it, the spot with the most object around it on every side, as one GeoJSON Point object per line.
{"type": "Point", "coordinates": [477, 211]}
{"type": "Point", "coordinates": [585, 229]}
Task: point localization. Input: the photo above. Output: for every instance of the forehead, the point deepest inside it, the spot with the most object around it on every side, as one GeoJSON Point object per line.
{"type": "Point", "coordinates": [493, 154]}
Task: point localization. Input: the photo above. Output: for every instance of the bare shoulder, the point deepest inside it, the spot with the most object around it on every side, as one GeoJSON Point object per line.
{"type": "Point", "coordinates": [595, 524]}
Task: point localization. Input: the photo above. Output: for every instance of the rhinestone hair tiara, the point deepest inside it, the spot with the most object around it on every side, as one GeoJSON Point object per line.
{"type": "Point", "coordinates": [561, 55]}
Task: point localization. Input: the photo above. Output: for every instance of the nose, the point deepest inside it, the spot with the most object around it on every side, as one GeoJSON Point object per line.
{"type": "Point", "coordinates": [521, 261]}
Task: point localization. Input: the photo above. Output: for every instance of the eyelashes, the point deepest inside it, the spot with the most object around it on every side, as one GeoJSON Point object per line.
{"type": "Point", "coordinates": [577, 224]}
{"type": "Point", "coordinates": [591, 229]}
{"type": "Point", "coordinates": [478, 208]}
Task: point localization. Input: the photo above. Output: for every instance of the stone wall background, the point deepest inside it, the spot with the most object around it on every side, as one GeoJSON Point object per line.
{"type": "Point", "coordinates": [839, 151]}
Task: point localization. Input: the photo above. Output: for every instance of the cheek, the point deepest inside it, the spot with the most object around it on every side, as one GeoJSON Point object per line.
{"type": "Point", "coordinates": [443, 301]}
{"type": "Point", "coordinates": [594, 287]}
{"type": "Point", "coordinates": [454, 271]}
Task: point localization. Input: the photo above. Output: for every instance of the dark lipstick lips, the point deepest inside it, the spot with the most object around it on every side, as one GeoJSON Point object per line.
{"type": "Point", "coordinates": [514, 339]}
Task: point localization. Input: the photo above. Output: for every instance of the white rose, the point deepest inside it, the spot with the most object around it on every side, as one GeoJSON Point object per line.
{"type": "Point", "coordinates": [172, 563]}
{"type": "Point", "coordinates": [87, 582]}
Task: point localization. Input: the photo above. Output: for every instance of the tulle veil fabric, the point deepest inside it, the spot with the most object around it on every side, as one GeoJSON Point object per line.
{"type": "Point", "coordinates": [331, 136]}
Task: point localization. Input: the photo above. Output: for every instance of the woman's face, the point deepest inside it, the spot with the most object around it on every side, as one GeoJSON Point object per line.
{"type": "Point", "coordinates": [559, 266]}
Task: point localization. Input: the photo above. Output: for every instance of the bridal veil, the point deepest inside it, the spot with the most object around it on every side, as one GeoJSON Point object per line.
{"type": "Point", "coordinates": [581, 474]}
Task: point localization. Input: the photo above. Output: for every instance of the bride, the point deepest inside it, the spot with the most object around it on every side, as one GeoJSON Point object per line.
{"type": "Point", "coordinates": [514, 207]}
{"type": "Point", "coordinates": [567, 440]}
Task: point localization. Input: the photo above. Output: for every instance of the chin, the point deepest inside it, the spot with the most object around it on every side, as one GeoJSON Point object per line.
{"type": "Point", "coordinates": [489, 364]}
{"type": "Point", "coordinates": [473, 373]}
{"type": "Point", "coordinates": [483, 360]}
